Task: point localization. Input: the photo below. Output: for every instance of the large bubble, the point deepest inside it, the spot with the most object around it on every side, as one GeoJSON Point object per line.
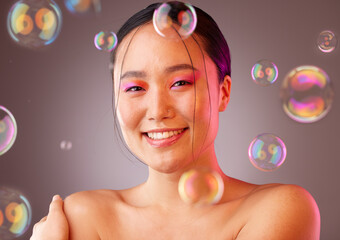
{"type": "Point", "coordinates": [34, 23]}
{"type": "Point", "coordinates": [83, 6]}
{"type": "Point", "coordinates": [306, 94]}
{"type": "Point", "coordinates": [267, 152]}
{"type": "Point", "coordinates": [15, 214]}
{"type": "Point", "coordinates": [264, 72]}
{"type": "Point", "coordinates": [8, 130]}
{"type": "Point", "coordinates": [327, 41]}
{"type": "Point", "coordinates": [106, 41]}
{"type": "Point", "coordinates": [175, 20]}
{"type": "Point", "coordinates": [201, 186]}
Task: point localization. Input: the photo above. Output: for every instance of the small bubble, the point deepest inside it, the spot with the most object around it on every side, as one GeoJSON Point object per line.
{"type": "Point", "coordinates": [66, 145]}
{"type": "Point", "coordinates": [267, 152]}
{"type": "Point", "coordinates": [83, 6]}
{"type": "Point", "coordinates": [105, 41]}
{"type": "Point", "coordinates": [264, 72]}
{"type": "Point", "coordinates": [8, 130]}
{"type": "Point", "coordinates": [327, 41]}
{"type": "Point", "coordinates": [174, 20]}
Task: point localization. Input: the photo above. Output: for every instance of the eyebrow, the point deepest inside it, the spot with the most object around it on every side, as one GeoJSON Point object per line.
{"type": "Point", "coordinates": [131, 74]}
{"type": "Point", "coordinates": [179, 67]}
{"type": "Point", "coordinates": [171, 69]}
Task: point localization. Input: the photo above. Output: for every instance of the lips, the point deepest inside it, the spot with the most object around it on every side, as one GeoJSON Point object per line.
{"type": "Point", "coordinates": [164, 138]}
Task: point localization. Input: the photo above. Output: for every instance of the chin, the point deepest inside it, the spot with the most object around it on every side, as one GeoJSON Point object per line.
{"type": "Point", "coordinates": [166, 166]}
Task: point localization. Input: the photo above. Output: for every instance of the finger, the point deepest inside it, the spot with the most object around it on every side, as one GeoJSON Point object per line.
{"type": "Point", "coordinates": [56, 204]}
{"type": "Point", "coordinates": [43, 219]}
{"type": "Point", "coordinates": [35, 226]}
{"type": "Point", "coordinates": [56, 207]}
{"type": "Point", "coordinates": [39, 223]}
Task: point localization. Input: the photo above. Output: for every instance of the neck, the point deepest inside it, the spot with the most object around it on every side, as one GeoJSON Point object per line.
{"type": "Point", "coordinates": [162, 188]}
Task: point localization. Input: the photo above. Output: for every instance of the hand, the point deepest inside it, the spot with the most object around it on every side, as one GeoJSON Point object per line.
{"type": "Point", "coordinates": [54, 226]}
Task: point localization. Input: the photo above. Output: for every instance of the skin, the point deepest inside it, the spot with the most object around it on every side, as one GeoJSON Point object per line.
{"type": "Point", "coordinates": [158, 98]}
{"type": "Point", "coordinates": [54, 226]}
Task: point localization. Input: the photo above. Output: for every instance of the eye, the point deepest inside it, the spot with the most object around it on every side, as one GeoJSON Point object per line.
{"type": "Point", "coordinates": [181, 83]}
{"type": "Point", "coordinates": [134, 89]}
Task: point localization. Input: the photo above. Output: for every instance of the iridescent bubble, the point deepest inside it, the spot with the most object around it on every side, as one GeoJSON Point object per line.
{"type": "Point", "coordinates": [66, 145]}
{"type": "Point", "coordinates": [174, 20]}
{"type": "Point", "coordinates": [307, 94]}
{"type": "Point", "coordinates": [8, 130]}
{"type": "Point", "coordinates": [34, 23]}
{"type": "Point", "coordinates": [264, 72]}
{"type": "Point", "coordinates": [327, 41]}
{"type": "Point", "coordinates": [83, 6]}
{"type": "Point", "coordinates": [106, 41]}
{"type": "Point", "coordinates": [1, 218]}
{"type": "Point", "coordinates": [267, 152]}
{"type": "Point", "coordinates": [201, 186]}
{"type": "Point", "coordinates": [15, 214]}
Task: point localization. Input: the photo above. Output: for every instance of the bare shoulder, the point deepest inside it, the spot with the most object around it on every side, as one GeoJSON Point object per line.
{"type": "Point", "coordinates": [281, 211]}
{"type": "Point", "coordinates": [86, 210]}
{"type": "Point", "coordinates": [92, 196]}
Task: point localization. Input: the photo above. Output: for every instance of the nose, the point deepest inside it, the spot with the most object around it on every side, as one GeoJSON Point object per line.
{"type": "Point", "coordinates": [160, 105]}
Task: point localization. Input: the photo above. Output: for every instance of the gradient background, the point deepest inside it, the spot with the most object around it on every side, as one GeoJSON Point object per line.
{"type": "Point", "coordinates": [63, 92]}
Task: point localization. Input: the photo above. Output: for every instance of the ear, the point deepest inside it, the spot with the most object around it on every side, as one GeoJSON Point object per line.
{"type": "Point", "coordinates": [224, 93]}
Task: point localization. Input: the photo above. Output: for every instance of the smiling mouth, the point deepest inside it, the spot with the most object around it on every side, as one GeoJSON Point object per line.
{"type": "Point", "coordinates": [163, 135]}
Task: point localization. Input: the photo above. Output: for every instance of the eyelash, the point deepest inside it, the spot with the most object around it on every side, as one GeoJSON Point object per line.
{"type": "Point", "coordinates": [183, 81]}
{"type": "Point", "coordinates": [134, 87]}
{"type": "Point", "coordinates": [139, 88]}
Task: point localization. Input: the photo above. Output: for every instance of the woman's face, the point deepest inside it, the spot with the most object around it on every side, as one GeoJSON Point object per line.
{"type": "Point", "coordinates": [164, 120]}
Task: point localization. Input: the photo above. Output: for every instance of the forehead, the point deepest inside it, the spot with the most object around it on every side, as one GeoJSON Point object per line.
{"type": "Point", "coordinates": [144, 48]}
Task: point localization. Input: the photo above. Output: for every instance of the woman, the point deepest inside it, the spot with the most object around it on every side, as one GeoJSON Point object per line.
{"type": "Point", "coordinates": [168, 95]}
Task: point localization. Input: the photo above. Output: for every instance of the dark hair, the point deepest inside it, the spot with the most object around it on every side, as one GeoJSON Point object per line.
{"type": "Point", "coordinates": [214, 42]}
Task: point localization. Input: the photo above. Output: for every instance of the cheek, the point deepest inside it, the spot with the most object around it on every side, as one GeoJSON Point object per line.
{"type": "Point", "coordinates": [206, 114]}
{"type": "Point", "coordinates": [128, 114]}
{"type": "Point", "coordinates": [204, 100]}
{"type": "Point", "coordinates": [184, 105]}
{"type": "Point", "coordinates": [203, 104]}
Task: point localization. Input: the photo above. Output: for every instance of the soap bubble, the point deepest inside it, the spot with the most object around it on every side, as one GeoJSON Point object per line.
{"type": "Point", "coordinates": [267, 152]}
{"type": "Point", "coordinates": [66, 145]}
{"type": "Point", "coordinates": [8, 130]}
{"type": "Point", "coordinates": [106, 41]}
{"type": "Point", "coordinates": [15, 214]}
{"type": "Point", "coordinates": [306, 94]}
{"type": "Point", "coordinates": [201, 186]}
{"type": "Point", "coordinates": [34, 23]}
{"type": "Point", "coordinates": [264, 72]}
{"type": "Point", "coordinates": [83, 6]}
{"type": "Point", "coordinates": [175, 19]}
{"type": "Point", "coordinates": [1, 218]}
{"type": "Point", "coordinates": [327, 41]}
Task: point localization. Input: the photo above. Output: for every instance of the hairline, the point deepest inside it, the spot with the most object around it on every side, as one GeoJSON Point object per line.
{"type": "Point", "coordinates": [200, 40]}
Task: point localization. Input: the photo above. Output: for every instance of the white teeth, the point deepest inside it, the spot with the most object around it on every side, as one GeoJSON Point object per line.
{"type": "Point", "coordinates": [163, 135]}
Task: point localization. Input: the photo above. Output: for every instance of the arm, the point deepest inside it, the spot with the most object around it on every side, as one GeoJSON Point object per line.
{"type": "Point", "coordinates": [285, 212]}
